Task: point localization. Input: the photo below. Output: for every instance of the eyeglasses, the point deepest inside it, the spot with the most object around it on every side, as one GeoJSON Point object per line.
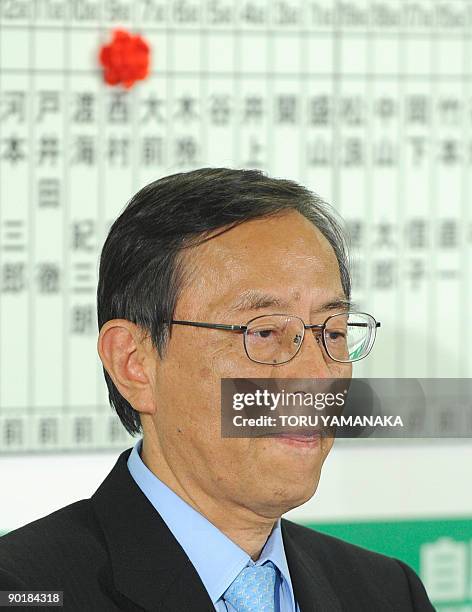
{"type": "Point", "coordinates": [275, 339]}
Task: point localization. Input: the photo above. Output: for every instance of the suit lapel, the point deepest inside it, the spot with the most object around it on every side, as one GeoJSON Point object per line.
{"type": "Point", "coordinates": [151, 569]}
{"type": "Point", "coordinates": [312, 590]}
{"type": "Point", "coordinates": [149, 566]}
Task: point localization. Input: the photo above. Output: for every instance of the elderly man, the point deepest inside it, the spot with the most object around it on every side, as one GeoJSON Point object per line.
{"type": "Point", "coordinates": [200, 271]}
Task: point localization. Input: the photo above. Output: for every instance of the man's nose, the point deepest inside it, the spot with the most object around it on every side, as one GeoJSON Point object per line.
{"type": "Point", "coordinates": [311, 361]}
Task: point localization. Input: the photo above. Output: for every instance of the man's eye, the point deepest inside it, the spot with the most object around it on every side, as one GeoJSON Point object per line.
{"type": "Point", "coordinates": [262, 333]}
{"type": "Point", "coordinates": [333, 336]}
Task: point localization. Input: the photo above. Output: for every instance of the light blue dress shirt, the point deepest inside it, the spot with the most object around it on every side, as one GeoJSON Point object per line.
{"type": "Point", "coordinates": [217, 559]}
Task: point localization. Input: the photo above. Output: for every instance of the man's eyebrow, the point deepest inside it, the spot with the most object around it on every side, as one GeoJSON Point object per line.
{"type": "Point", "coordinates": [253, 299]}
{"type": "Point", "coordinates": [340, 303]}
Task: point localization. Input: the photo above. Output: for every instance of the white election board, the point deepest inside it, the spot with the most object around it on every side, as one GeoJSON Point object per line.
{"type": "Point", "coordinates": [367, 103]}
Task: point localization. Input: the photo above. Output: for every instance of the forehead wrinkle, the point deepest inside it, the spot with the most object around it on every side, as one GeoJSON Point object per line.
{"type": "Point", "coordinates": [253, 299]}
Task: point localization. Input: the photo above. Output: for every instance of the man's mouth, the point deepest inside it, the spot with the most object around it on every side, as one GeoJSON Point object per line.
{"type": "Point", "coordinates": [299, 437]}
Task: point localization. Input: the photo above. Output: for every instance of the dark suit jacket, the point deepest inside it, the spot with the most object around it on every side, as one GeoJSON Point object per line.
{"type": "Point", "coordinates": [114, 552]}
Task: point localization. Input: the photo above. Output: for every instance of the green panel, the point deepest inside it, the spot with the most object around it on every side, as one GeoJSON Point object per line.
{"type": "Point", "coordinates": [440, 551]}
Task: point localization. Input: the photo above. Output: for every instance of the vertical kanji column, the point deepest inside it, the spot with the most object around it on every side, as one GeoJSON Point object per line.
{"type": "Point", "coordinates": [416, 169]}
{"type": "Point", "coordinates": [83, 177]}
{"type": "Point", "coordinates": [16, 324]}
{"type": "Point", "coordinates": [446, 207]}
{"type": "Point", "coordinates": [219, 83]}
{"type": "Point", "coordinates": [185, 102]}
{"type": "Point", "coordinates": [352, 129]}
{"type": "Point", "coordinates": [117, 170]}
{"type": "Point", "coordinates": [285, 80]}
{"type": "Point", "coordinates": [151, 110]}
{"type": "Point", "coordinates": [48, 245]}
{"type": "Point", "coordinates": [319, 40]}
{"type": "Point", "coordinates": [254, 87]}
{"type": "Point", "coordinates": [384, 151]}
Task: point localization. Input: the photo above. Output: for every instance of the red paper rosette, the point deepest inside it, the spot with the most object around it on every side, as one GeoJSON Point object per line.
{"type": "Point", "coordinates": [125, 60]}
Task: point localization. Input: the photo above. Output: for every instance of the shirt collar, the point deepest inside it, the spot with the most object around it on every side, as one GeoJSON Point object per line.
{"type": "Point", "coordinates": [219, 560]}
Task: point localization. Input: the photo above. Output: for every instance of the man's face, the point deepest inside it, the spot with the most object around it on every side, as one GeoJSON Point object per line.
{"type": "Point", "coordinates": [286, 257]}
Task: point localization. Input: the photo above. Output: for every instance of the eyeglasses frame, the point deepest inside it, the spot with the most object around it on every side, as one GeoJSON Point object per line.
{"type": "Point", "coordinates": [320, 326]}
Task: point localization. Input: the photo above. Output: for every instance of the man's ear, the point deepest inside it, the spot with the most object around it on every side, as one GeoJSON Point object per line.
{"type": "Point", "coordinates": [127, 355]}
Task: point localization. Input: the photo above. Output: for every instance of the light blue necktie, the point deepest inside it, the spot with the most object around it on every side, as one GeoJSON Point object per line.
{"type": "Point", "coordinates": [253, 589]}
